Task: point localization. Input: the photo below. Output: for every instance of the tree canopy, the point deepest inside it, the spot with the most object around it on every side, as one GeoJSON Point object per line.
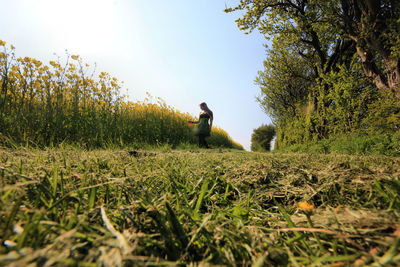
{"type": "Point", "coordinates": [328, 28]}
{"type": "Point", "coordinates": [262, 137]}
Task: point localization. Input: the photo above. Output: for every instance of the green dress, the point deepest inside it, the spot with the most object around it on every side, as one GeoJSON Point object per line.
{"type": "Point", "coordinates": [203, 128]}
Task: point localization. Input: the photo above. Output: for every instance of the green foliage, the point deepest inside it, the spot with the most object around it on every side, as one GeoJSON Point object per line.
{"type": "Point", "coordinates": [262, 137]}
{"type": "Point", "coordinates": [356, 143]}
{"type": "Point", "coordinates": [284, 82]}
{"type": "Point", "coordinates": [351, 104]}
{"type": "Point", "coordinates": [348, 98]}
{"type": "Point", "coordinates": [383, 115]}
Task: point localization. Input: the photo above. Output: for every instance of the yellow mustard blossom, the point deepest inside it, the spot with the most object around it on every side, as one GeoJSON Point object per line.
{"type": "Point", "coordinates": [37, 63]}
{"type": "Point", "coordinates": [53, 84]}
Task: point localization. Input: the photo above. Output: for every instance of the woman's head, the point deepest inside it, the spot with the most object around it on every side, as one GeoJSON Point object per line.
{"type": "Point", "coordinates": [203, 106]}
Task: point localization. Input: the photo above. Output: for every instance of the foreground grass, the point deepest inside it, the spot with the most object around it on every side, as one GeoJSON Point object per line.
{"type": "Point", "coordinates": [61, 207]}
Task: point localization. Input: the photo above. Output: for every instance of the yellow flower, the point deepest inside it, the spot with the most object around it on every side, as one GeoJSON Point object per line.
{"type": "Point", "coordinates": [37, 63]}
{"type": "Point", "coordinates": [304, 206]}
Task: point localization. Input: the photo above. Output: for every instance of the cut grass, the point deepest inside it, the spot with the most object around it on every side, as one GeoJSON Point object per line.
{"type": "Point", "coordinates": [71, 207]}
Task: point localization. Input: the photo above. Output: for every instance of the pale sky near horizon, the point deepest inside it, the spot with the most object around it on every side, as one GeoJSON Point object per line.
{"type": "Point", "coordinates": [184, 51]}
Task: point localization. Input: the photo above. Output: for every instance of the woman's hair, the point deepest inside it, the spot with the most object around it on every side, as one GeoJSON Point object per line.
{"type": "Point", "coordinates": [206, 109]}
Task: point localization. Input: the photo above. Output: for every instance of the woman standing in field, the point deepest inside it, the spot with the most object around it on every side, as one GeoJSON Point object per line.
{"type": "Point", "coordinates": [204, 124]}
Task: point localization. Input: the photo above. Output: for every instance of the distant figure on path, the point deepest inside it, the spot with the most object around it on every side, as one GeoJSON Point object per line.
{"type": "Point", "coordinates": [205, 124]}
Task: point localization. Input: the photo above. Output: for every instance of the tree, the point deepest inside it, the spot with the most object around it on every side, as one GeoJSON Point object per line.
{"type": "Point", "coordinates": [329, 63]}
{"type": "Point", "coordinates": [284, 82]}
{"type": "Point", "coordinates": [304, 49]}
{"type": "Point", "coordinates": [374, 26]}
{"type": "Point", "coordinates": [328, 29]}
{"type": "Point", "coordinates": [262, 137]}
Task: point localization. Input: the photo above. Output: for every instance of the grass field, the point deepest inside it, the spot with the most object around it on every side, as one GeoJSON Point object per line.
{"type": "Point", "coordinates": [72, 207]}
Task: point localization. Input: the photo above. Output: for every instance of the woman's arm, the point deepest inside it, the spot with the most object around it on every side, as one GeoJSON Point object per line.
{"type": "Point", "coordinates": [211, 121]}
{"type": "Point", "coordinates": [195, 122]}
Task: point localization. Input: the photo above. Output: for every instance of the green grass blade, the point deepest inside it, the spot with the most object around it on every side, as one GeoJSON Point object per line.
{"type": "Point", "coordinates": [177, 228]}
{"type": "Point", "coordinates": [199, 201]}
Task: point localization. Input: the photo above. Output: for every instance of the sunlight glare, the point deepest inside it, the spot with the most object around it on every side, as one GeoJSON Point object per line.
{"type": "Point", "coordinates": [82, 26]}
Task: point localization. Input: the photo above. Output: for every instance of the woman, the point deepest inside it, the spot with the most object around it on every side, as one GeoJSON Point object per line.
{"type": "Point", "coordinates": [205, 124]}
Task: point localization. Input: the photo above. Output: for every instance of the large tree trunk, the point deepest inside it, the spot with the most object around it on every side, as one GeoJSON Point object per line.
{"type": "Point", "coordinates": [385, 78]}
{"type": "Point", "coordinates": [390, 80]}
{"type": "Point", "coordinates": [394, 76]}
{"type": "Point", "coordinates": [371, 24]}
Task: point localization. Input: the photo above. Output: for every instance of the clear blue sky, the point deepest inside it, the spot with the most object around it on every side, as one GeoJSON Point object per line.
{"type": "Point", "coordinates": [184, 51]}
